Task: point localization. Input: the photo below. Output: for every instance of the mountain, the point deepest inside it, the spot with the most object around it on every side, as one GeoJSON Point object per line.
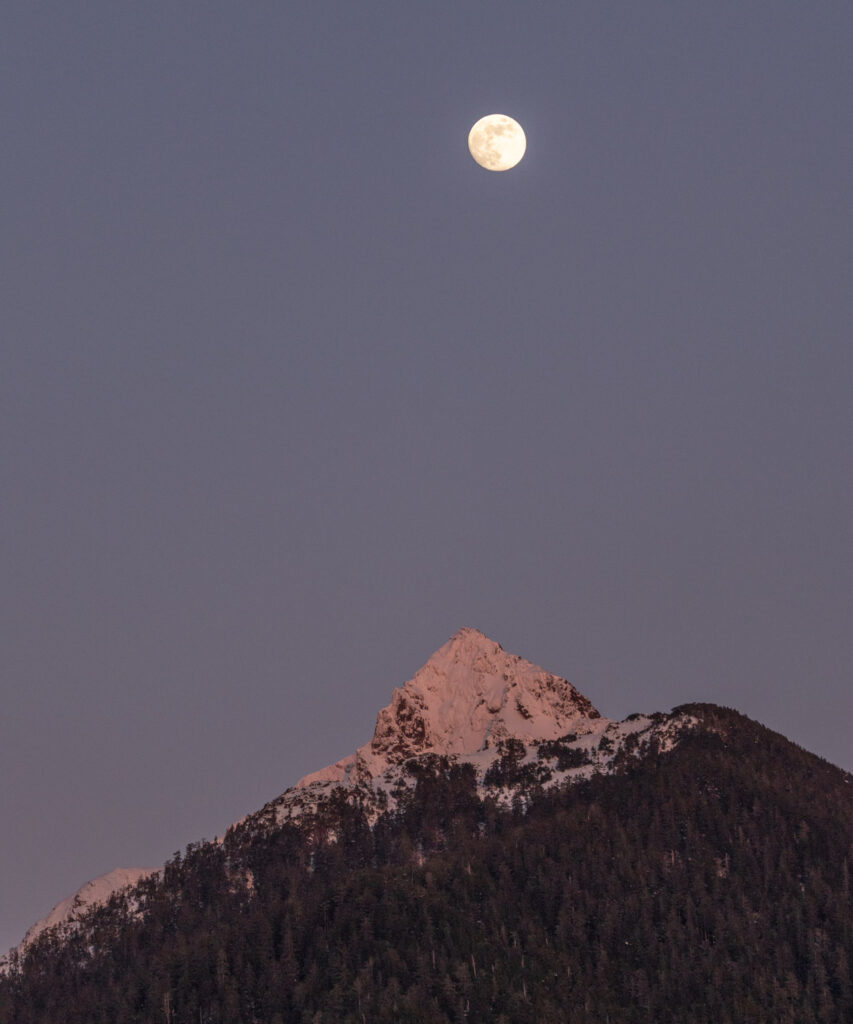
{"type": "Point", "coordinates": [468, 697]}
{"type": "Point", "coordinates": [467, 701]}
{"type": "Point", "coordinates": [89, 895]}
{"type": "Point", "coordinates": [472, 703]}
{"type": "Point", "coordinates": [499, 852]}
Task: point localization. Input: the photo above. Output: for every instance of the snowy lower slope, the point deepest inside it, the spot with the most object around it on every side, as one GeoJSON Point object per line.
{"type": "Point", "coordinates": [506, 771]}
{"type": "Point", "coordinates": [95, 892]}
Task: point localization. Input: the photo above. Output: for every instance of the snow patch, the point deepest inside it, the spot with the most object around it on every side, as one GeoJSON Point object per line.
{"type": "Point", "coordinates": [469, 696]}
{"type": "Point", "coordinates": [69, 910]}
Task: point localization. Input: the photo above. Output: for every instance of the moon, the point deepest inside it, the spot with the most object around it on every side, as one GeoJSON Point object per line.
{"type": "Point", "coordinates": [497, 142]}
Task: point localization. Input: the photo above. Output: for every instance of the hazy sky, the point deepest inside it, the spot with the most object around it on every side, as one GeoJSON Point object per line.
{"type": "Point", "coordinates": [292, 389]}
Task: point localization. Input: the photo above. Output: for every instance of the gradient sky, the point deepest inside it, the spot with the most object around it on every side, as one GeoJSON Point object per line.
{"type": "Point", "coordinates": [292, 389]}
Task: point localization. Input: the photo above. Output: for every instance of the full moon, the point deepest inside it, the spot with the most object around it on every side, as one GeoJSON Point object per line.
{"type": "Point", "coordinates": [497, 142]}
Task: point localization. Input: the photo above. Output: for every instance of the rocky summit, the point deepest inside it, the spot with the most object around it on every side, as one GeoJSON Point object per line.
{"type": "Point", "coordinates": [467, 698]}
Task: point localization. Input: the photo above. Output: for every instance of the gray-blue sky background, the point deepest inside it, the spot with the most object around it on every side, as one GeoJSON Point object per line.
{"type": "Point", "coordinates": [291, 389]}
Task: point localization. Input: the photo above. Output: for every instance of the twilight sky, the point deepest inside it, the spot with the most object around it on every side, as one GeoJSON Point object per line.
{"type": "Point", "coordinates": [291, 388]}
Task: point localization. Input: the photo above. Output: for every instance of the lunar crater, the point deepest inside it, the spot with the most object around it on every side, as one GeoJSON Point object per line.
{"type": "Point", "coordinates": [497, 142]}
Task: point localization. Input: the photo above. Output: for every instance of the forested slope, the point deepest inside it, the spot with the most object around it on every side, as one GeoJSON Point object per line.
{"type": "Point", "coordinates": [706, 884]}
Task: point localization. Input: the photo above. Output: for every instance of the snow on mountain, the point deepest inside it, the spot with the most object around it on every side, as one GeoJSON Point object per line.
{"type": "Point", "coordinates": [469, 696]}
{"type": "Point", "coordinates": [97, 891]}
{"type": "Point", "coordinates": [516, 723]}
{"type": "Point", "coordinates": [519, 726]}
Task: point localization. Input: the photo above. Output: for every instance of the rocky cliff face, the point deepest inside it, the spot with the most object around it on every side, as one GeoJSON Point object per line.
{"type": "Point", "coordinates": [468, 697]}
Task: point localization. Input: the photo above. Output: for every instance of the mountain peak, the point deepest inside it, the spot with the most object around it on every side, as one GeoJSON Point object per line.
{"type": "Point", "coordinates": [97, 891]}
{"type": "Point", "coordinates": [467, 697]}
{"type": "Point", "coordinates": [467, 639]}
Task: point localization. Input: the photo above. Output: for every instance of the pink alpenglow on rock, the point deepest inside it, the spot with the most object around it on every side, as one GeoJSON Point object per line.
{"type": "Point", "coordinates": [469, 696]}
{"type": "Point", "coordinates": [99, 890]}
